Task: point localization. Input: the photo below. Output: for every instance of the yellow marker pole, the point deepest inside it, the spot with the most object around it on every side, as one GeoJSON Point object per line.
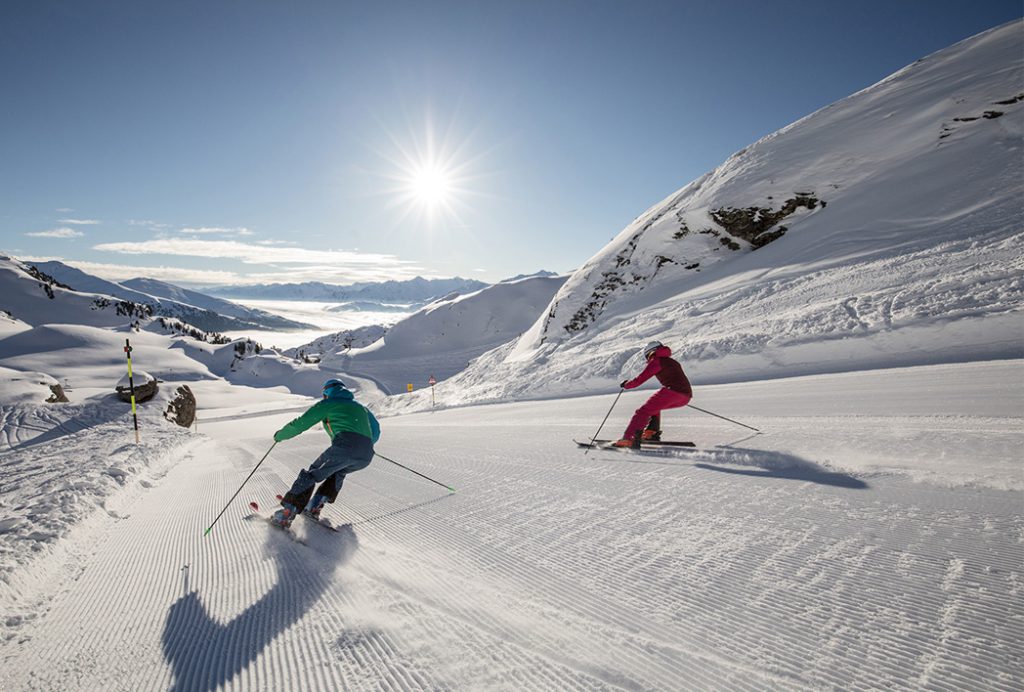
{"type": "Point", "coordinates": [131, 386]}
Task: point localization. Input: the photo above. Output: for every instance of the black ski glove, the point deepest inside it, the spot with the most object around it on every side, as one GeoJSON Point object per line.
{"type": "Point", "coordinates": [623, 384]}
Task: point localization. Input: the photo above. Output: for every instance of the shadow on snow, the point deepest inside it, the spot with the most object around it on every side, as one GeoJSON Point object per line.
{"type": "Point", "coordinates": [205, 654]}
{"type": "Point", "coordinates": [760, 464]}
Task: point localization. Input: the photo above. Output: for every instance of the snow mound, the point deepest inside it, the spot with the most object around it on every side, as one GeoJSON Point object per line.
{"type": "Point", "coordinates": [24, 387]}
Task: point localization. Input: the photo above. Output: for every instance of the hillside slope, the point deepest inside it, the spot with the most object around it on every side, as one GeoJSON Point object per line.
{"type": "Point", "coordinates": [199, 310]}
{"type": "Point", "coordinates": [31, 297]}
{"type": "Point", "coordinates": [443, 337]}
{"type": "Point", "coordinates": [882, 230]}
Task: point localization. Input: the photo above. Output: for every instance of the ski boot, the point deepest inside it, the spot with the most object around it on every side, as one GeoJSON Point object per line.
{"type": "Point", "coordinates": [629, 442]}
{"type": "Point", "coordinates": [315, 506]}
{"type": "Point", "coordinates": [284, 516]}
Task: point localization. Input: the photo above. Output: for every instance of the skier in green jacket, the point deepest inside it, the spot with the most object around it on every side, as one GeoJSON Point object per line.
{"type": "Point", "coordinates": [353, 431]}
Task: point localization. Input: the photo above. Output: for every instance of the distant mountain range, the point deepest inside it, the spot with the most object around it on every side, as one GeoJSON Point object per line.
{"type": "Point", "coordinates": [167, 300]}
{"type": "Point", "coordinates": [413, 291]}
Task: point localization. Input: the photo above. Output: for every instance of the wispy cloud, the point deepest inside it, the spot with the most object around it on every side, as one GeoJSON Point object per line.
{"type": "Point", "coordinates": [207, 277]}
{"type": "Point", "coordinates": [217, 230]}
{"type": "Point", "coordinates": [148, 223]}
{"type": "Point", "coordinates": [122, 272]}
{"type": "Point", "coordinates": [79, 222]}
{"type": "Point", "coordinates": [57, 233]}
{"type": "Point", "coordinates": [287, 264]}
{"type": "Point", "coordinates": [254, 254]}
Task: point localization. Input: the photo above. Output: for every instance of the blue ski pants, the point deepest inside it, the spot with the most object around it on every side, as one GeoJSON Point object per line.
{"type": "Point", "coordinates": [348, 452]}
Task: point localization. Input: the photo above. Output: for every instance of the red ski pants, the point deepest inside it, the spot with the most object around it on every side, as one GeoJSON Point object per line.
{"type": "Point", "coordinates": [662, 399]}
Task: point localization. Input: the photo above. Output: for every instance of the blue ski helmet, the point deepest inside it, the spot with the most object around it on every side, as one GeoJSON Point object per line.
{"type": "Point", "coordinates": [651, 348]}
{"type": "Point", "coordinates": [333, 387]}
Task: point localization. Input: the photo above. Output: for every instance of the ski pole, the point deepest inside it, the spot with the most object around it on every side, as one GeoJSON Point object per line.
{"type": "Point", "coordinates": [621, 390]}
{"type": "Point", "coordinates": [724, 418]}
{"type": "Point", "coordinates": [240, 489]}
{"type": "Point", "coordinates": [416, 472]}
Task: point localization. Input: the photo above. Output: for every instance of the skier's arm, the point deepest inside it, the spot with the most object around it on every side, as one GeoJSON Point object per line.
{"type": "Point", "coordinates": [304, 422]}
{"type": "Point", "coordinates": [652, 368]}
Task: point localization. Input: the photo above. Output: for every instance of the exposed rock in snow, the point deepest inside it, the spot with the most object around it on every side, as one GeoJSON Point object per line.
{"type": "Point", "coordinates": [145, 387]}
{"type": "Point", "coordinates": [182, 408]}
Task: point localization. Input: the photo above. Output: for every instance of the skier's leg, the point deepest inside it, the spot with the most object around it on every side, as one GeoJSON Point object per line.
{"type": "Point", "coordinates": [302, 489]}
{"type": "Point", "coordinates": [662, 399]}
{"type": "Point", "coordinates": [330, 488]}
{"type": "Point", "coordinates": [640, 418]}
{"type": "Point", "coordinates": [348, 452]}
{"type": "Point", "coordinates": [300, 492]}
{"type": "Point", "coordinates": [653, 429]}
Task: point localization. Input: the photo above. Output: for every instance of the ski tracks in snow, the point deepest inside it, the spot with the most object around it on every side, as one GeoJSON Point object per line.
{"type": "Point", "coordinates": [547, 570]}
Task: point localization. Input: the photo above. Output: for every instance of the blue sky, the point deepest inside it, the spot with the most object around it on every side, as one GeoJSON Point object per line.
{"type": "Point", "coordinates": [241, 141]}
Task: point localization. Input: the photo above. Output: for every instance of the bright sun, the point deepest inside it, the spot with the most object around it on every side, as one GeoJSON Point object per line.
{"type": "Point", "coordinates": [432, 179]}
{"type": "Point", "coordinates": [430, 184]}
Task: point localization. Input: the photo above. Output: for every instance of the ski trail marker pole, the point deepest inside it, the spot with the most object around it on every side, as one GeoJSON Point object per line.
{"type": "Point", "coordinates": [131, 386]}
{"type": "Point", "coordinates": [621, 390]}
{"type": "Point", "coordinates": [240, 489]}
{"type": "Point", "coordinates": [416, 472]}
{"type": "Point", "coordinates": [724, 418]}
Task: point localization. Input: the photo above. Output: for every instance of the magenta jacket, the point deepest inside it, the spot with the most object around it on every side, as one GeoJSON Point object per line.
{"type": "Point", "coordinates": [668, 371]}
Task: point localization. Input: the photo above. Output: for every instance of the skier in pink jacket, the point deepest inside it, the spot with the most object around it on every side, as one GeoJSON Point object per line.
{"type": "Point", "coordinates": [675, 392]}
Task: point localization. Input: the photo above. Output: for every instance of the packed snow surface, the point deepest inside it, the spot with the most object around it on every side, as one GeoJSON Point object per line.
{"type": "Point", "coordinates": [871, 537]}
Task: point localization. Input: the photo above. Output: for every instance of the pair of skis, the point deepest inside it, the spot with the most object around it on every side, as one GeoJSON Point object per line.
{"type": "Point", "coordinates": [254, 506]}
{"type": "Point", "coordinates": [644, 445]}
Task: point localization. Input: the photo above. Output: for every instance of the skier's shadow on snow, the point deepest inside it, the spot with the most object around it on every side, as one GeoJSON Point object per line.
{"type": "Point", "coordinates": [783, 466]}
{"type": "Point", "coordinates": [205, 654]}
{"type": "Point", "coordinates": [763, 464]}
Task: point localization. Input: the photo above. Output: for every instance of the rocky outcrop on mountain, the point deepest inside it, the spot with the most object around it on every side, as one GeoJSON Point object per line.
{"type": "Point", "coordinates": [46, 282]}
{"type": "Point", "coordinates": [648, 250]}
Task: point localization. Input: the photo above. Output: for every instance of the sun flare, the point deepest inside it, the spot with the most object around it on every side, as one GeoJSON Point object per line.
{"type": "Point", "coordinates": [433, 178]}
{"type": "Point", "coordinates": [430, 184]}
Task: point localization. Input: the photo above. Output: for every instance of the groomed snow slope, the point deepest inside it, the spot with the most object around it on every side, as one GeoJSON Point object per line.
{"type": "Point", "coordinates": [767, 562]}
{"type": "Point", "coordinates": [911, 254]}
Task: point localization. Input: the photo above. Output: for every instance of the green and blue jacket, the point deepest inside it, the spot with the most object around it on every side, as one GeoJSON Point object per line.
{"type": "Point", "coordinates": [340, 413]}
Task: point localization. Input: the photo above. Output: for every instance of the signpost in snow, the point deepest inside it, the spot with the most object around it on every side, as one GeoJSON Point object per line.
{"type": "Point", "coordinates": [131, 386]}
{"type": "Point", "coordinates": [431, 382]}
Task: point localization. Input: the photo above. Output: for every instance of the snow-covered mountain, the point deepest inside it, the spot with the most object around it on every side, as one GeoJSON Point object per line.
{"type": "Point", "coordinates": [442, 338]}
{"type": "Point", "coordinates": [30, 297]}
{"type": "Point", "coordinates": [202, 311]}
{"type": "Point", "coordinates": [225, 308]}
{"type": "Point", "coordinates": [417, 290]}
{"type": "Point", "coordinates": [885, 229]}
